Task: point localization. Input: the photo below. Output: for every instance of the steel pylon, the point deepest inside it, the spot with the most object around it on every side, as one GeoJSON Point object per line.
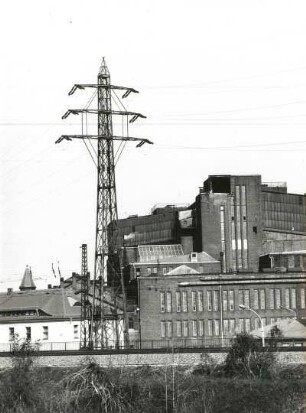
{"type": "Point", "coordinates": [107, 322]}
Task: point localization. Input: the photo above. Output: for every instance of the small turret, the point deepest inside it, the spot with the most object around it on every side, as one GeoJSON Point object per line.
{"type": "Point", "coordinates": [27, 282]}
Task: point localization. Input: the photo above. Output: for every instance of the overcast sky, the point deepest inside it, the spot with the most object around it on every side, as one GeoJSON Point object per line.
{"type": "Point", "coordinates": [222, 83]}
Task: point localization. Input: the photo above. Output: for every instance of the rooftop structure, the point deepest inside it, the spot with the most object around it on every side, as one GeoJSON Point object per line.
{"type": "Point", "coordinates": [27, 282]}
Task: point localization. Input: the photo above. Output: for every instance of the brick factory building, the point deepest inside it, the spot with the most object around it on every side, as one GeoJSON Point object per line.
{"type": "Point", "coordinates": [235, 219]}
{"type": "Point", "coordinates": [188, 267]}
{"type": "Point", "coordinates": [193, 308]}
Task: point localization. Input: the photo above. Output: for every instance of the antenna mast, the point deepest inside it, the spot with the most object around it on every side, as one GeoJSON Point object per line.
{"type": "Point", "coordinates": [108, 317]}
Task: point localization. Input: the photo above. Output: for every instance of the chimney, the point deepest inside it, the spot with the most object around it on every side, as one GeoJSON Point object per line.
{"type": "Point", "coordinates": [49, 286]}
{"type": "Point", "coordinates": [74, 281]}
{"type": "Point", "coordinates": [62, 282]}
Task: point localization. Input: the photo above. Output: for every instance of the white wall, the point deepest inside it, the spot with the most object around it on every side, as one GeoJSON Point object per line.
{"type": "Point", "coordinates": [58, 331]}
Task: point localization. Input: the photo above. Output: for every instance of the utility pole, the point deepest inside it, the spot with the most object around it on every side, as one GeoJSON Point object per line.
{"type": "Point", "coordinates": [108, 282]}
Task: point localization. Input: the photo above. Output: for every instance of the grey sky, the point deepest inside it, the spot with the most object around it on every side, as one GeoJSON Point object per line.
{"type": "Point", "coordinates": [211, 74]}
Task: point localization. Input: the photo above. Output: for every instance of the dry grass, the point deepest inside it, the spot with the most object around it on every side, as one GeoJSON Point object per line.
{"type": "Point", "coordinates": [91, 388]}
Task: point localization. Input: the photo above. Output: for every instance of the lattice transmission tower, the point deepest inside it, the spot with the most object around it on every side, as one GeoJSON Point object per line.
{"type": "Point", "coordinates": [107, 321]}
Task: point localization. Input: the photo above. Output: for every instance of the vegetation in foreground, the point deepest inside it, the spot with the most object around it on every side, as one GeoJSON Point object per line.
{"type": "Point", "coordinates": [249, 381]}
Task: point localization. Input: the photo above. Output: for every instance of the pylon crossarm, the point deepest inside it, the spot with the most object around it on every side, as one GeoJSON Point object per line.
{"type": "Point", "coordinates": [135, 115]}
{"type": "Point", "coordinates": [82, 86]}
{"type": "Point", "coordinates": [141, 141]}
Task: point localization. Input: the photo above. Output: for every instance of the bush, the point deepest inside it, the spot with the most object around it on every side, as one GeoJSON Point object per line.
{"type": "Point", "coordinates": [18, 392]}
{"type": "Point", "coordinates": [247, 358]}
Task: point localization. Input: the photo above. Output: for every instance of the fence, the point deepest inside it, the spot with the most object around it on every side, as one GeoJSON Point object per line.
{"type": "Point", "coordinates": [134, 346]}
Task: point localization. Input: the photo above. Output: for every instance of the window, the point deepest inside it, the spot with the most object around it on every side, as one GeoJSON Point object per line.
{"type": "Point", "coordinates": [194, 328]}
{"type": "Point", "coordinates": [200, 301]}
{"type": "Point", "coordinates": [163, 329]}
{"type": "Point", "coordinates": [232, 326]}
{"type": "Point", "coordinates": [45, 332]}
{"type": "Point", "coordinates": [131, 322]}
{"type": "Point", "coordinates": [138, 273]}
{"type": "Point", "coordinates": [162, 302]}
{"type": "Point", "coordinates": [241, 325]}
{"type": "Point", "coordinates": [169, 301]}
{"type": "Point", "coordinates": [149, 271]}
{"type": "Point", "coordinates": [231, 300]}
{"type": "Point", "coordinates": [287, 297]}
{"type": "Point", "coordinates": [278, 298]}
{"type": "Point", "coordinates": [179, 328]}
{"type": "Point", "coordinates": [272, 303]}
{"type": "Point", "coordinates": [247, 325]}
{"type": "Point", "coordinates": [302, 293]}
{"type": "Point", "coordinates": [209, 299]}
{"type": "Point", "coordinates": [194, 300]}
{"type": "Point", "coordinates": [256, 299]}
{"type": "Point", "coordinates": [164, 270]}
{"type": "Point", "coordinates": [28, 333]}
{"type": "Point", "coordinates": [210, 327]}
{"type": "Point", "coordinates": [185, 328]}
{"type": "Point", "coordinates": [262, 299]}
{"type": "Point", "coordinates": [225, 327]}
{"type": "Point", "coordinates": [76, 331]}
{"type": "Point", "coordinates": [240, 297]}
{"type": "Point", "coordinates": [154, 270]}
{"type": "Point", "coordinates": [244, 325]}
{"type": "Point", "coordinates": [178, 302]}
{"type": "Point", "coordinates": [216, 300]}
{"type": "Point", "coordinates": [246, 297]}
{"type": "Point", "coordinates": [201, 328]}
{"type": "Point", "coordinates": [217, 327]}
{"type": "Point", "coordinates": [293, 298]}
{"type": "Point", "coordinates": [185, 308]}
{"type": "Point", "coordinates": [225, 301]}
{"type": "Point", "coordinates": [169, 329]}
{"type": "Point", "coordinates": [11, 333]}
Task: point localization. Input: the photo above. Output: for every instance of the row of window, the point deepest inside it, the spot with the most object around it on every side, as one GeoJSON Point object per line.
{"type": "Point", "coordinates": [45, 332]}
{"type": "Point", "coordinates": [213, 302]}
{"type": "Point", "coordinates": [209, 328]}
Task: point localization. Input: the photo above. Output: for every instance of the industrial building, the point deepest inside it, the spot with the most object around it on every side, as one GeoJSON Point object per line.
{"type": "Point", "coordinates": [235, 219]}
{"type": "Point", "coordinates": [195, 309]}
{"type": "Point", "coordinates": [189, 267]}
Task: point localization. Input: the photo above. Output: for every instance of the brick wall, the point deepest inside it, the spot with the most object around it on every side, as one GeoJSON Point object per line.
{"type": "Point", "coordinates": [152, 315]}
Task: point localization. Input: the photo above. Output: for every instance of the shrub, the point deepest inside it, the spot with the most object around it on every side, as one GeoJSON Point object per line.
{"type": "Point", "coordinates": [18, 392]}
{"type": "Point", "coordinates": [247, 358]}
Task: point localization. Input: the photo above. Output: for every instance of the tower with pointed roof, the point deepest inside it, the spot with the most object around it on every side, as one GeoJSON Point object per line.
{"type": "Point", "coordinates": [27, 282]}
